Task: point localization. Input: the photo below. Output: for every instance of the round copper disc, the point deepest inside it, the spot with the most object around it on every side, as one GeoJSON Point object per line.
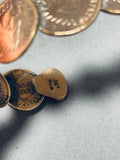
{"type": "Point", "coordinates": [23, 94]}
{"type": "Point", "coordinates": [112, 6]}
{"type": "Point", "coordinates": [18, 25]}
{"type": "Point", "coordinates": [65, 17]}
{"type": "Point", "coordinates": [4, 91]}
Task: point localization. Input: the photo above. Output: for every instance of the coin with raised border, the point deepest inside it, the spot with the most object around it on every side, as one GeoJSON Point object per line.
{"type": "Point", "coordinates": [23, 94]}
{"type": "Point", "coordinates": [4, 91]}
{"type": "Point", "coordinates": [111, 6]}
{"type": "Point", "coordinates": [66, 17]}
{"type": "Point", "coordinates": [18, 25]}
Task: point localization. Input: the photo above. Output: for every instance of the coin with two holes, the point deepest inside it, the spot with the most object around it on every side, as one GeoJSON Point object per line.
{"type": "Point", "coordinates": [23, 93]}
{"type": "Point", "coordinates": [4, 91]}
{"type": "Point", "coordinates": [18, 25]}
{"type": "Point", "coordinates": [66, 17]}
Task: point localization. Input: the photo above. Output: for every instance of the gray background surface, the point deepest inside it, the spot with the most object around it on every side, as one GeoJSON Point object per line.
{"type": "Point", "coordinates": [86, 126]}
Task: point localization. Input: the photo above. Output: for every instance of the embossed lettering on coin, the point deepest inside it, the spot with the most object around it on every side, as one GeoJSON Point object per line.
{"type": "Point", "coordinates": [23, 94]}
{"type": "Point", "coordinates": [51, 83]}
{"type": "Point", "coordinates": [65, 17]}
{"type": "Point", "coordinates": [18, 25]}
{"type": "Point", "coordinates": [112, 6]}
{"type": "Point", "coordinates": [4, 91]}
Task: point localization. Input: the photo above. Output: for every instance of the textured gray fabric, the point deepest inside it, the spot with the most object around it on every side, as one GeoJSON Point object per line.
{"type": "Point", "coordinates": [86, 125]}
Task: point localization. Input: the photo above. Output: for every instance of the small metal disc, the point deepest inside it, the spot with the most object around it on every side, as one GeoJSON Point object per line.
{"type": "Point", "coordinates": [23, 94]}
{"type": "Point", "coordinates": [4, 91]}
{"type": "Point", "coordinates": [66, 17]}
{"type": "Point", "coordinates": [18, 25]}
{"type": "Point", "coordinates": [51, 83]}
{"type": "Point", "coordinates": [111, 6]}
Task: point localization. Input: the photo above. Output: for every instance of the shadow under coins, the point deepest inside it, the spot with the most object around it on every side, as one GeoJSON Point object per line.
{"type": "Point", "coordinates": [95, 81]}
{"type": "Point", "coordinates": [17, 124]}
{"type": "Point", "coordinates": [92, 82]}
{"type": "Point", "coordinates": [14, 128]}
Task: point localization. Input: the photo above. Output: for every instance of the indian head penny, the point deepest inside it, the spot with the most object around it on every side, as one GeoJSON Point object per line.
{"type": "Point", "coordinates": [18, 25]}
{"type": "Point", "coordinates": [111, 6]}
{"type": "Point", "coordinates": [23, 94]}
{"type": "Point", "coordinates": [4, 91]}
{"type": "Point", "coordinates": [66, 17]}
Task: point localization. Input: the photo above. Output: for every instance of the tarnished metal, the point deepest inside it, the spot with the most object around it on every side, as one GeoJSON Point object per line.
{"type": "Point", "coordinates": [51, 83]}
{"type": "Point", "coordinates": [23, 94]}
{"type": "Point", "coordinates": [4, 91]}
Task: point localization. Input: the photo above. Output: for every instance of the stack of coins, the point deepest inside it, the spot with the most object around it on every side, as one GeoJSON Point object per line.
{"type": "Point", "coordinates": [19, 21]}
{"type": "Point", "coordinates": [24, 90]}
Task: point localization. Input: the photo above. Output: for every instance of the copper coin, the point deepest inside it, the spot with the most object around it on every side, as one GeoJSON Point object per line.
{"type": "Point", "coordinates": [66, 17]}
{"type": "Point", "coordinates": [51, 83]}
{"type": "Point", "coordinates": [18, 25]}
{"type": "Point", "coordinates": [112, 6]}
{"type": "Point", "coordinates": [4, 91]}
{"type": "Point", "coordinates": [23, 94]}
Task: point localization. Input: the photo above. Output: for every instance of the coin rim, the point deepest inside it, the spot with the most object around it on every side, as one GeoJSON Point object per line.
{"type": "Point", "coordinates": [108, 10]}
{"type": "Point", "coordinates": [8, 89]}
{"type": "Point", "coordinates": [33, 107]}
{"type": "Point", "coordinates": [112, 11]}
{"type": "Point", "coordinates": [76, 30]}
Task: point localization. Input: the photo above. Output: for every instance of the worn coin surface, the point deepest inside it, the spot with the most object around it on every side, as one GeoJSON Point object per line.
{"type": "Point", "coordinates": [4, 91]}
{"type": "Point", "coordinates": [23, 94]}
{"type": "Point", "coordinates": [18, 25]}
{"type": "Point", "coordinates": [51, 83]}
{"type": "Point", "coordinates": [65, 17]}
{"type": "Point", "coordinates": [112, 6]}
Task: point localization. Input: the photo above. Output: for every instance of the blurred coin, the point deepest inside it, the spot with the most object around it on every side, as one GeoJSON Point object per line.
{"type": "Point", "coordinates": [66, 17]}
{"type": "Point", "coordinates": [18, 25]}
{"type": "Point", "coordinates": [112, 6]}
{"type": "Point", "coordinates": [51, 83]}
{"type": "Point", "coordinates": [23, 94]}
{"type": "Point", "coordinates": [4, 91]}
